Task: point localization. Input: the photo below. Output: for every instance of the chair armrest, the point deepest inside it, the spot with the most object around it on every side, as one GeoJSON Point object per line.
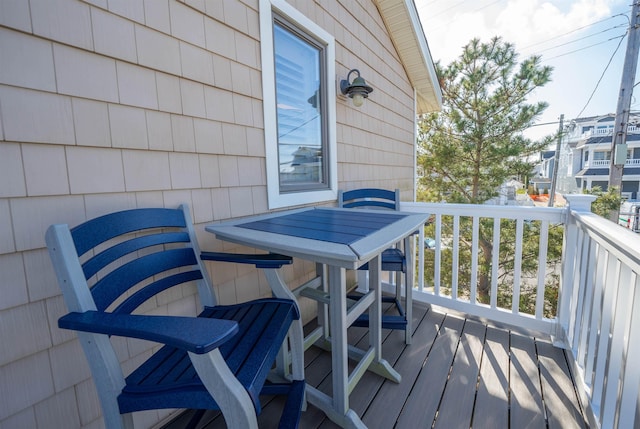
{"type": "Point", "coordinates": [194, 334]}
{"type": "Point", "coordinates": [267, 260]}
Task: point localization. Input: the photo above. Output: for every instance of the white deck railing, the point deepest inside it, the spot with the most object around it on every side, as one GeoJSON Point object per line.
{"type": "Point", "coordinates": [448, 293]}
{"type": "Point", "coordinates": [605, 163]}
{"type": "Point", "coordinates": [599, 277]}
{"type": "Point", "coordinates": [601, 290]}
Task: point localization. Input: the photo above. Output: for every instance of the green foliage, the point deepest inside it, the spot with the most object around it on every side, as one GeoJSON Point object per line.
{"type": "Point", "coordinates": [606, 202]}
{"type": "Point", "coordinates": [469, 149]}
{"type": "Point", "coordinates": [475, 143]}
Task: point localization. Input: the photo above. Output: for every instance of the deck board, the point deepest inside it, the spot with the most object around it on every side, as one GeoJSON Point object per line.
{"type": "Point", "coordinates": [527, 410]}
{"type": "Point", "coordinates": [423, 402]}
{"type": "Point", "coordinates": [555, 380]}
{"type": "Point", "coordinates": [456, 408]}
{"type": "Point", "coordinates": [457, 373]}
{"type": "Point", "coordinates": [491, 409]}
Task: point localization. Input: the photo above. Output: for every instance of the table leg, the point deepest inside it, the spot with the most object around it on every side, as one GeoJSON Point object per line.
{"type": "Point", "coordinates": [408, 308]}
{"type": "Point", "coordinates": [339, 347]}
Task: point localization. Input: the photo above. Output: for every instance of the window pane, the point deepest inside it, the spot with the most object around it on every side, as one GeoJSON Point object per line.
{"type": "Point", "coordinates": [602, 155]}
{"type": "Point", "coordinates": [301, 148]}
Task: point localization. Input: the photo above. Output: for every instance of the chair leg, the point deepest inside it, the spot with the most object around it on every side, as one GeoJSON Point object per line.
{"type": "Point", "coordinates": [296, 342]}
{"type": "Point", "coordinates": [408, 311]}
{"type": "Point", "coordinates": [234, 401]}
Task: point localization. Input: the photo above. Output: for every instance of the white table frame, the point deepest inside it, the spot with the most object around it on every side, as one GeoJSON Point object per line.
{"type": "Point", "coordinates": [338, 258]}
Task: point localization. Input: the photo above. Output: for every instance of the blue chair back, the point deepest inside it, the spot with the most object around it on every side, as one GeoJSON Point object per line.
{"type": "Point", "coordinates": [371, 198]}
{"type": "Point", "coordinates": [128, 269]}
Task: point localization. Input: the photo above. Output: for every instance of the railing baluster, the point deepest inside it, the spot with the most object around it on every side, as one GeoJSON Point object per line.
{"type": "Point", "coordinates": [455, 264]}
{"type": "Point", "coordinates": [517, 268]}
{"type": "Point", "coordinates": [579, 281]}
{"type": "Point", "coordinates": [437, 258]}
{"type": "Point", "coordinates": [542, 268]}
{"type": "Point", "coordinates": [495, 262]}
{"type": "Point", "coordinates": [610, 285]}
{"type": "Point", "coordinates": [596, 315]}
{"type": "Point", "coordinates": [421, 243]}
{"type": "Point", "coordinates": [474, 259]}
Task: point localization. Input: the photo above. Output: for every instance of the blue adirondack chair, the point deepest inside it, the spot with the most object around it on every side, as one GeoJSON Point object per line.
{"type": "Point", "coordinates": [107, 267]}
{"type": "Point", "coordinates": [393, 259]}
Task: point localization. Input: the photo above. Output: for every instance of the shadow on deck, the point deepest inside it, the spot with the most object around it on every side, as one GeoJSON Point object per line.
{"type": "Point", "coordinates": [458, 373]}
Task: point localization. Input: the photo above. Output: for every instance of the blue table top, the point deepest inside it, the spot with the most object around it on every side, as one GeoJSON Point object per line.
{"type": "Point", "coordinates": [342, 227]}
{"type": "Point", "coordinates": [333, 236]}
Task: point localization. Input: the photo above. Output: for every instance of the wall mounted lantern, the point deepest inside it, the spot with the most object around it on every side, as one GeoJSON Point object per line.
{"type": "Point", "coordinates": [357, 90]}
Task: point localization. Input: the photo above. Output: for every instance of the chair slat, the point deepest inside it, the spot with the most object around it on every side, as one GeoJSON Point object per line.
{"type": "Point", "coordinates": [252, 326]}
{"type": "Point", "coordinates": [112, 254]}
{"type": "Point", "coordinates": [114, 284]}
{"type": "Point", "coordinates": [369, 193]}
{"type": "Point", "coordinates": [369, 203]}
{"type": "Point", "coordinates": [96, 231]}
{"type": "Point", "coordinates": [257, 366]}
{"type": "Point", "coordinates": [148, 291]}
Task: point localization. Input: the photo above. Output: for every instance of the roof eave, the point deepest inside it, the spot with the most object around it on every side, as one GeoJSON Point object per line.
{"type": "Point", "coordinates": [402, 22]}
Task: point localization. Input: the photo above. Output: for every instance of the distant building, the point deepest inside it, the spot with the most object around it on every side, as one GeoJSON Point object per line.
{"type": "Point", "coordinates": [543, 172]}
{"type": "Point", "coordinates": [586, 153]}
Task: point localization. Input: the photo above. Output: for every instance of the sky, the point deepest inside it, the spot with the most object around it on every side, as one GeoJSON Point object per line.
{"type": "Point", "coordinates": [581, 39]}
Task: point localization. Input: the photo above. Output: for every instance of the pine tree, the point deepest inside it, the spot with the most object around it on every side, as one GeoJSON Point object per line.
{"type": "Point", "coordinates": [470, 148]}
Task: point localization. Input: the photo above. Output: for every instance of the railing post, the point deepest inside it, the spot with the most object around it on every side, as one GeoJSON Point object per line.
{"type": "Point", "coordinates": [580, 202]}
{"type": "Point", "coordinates": [570, 252]}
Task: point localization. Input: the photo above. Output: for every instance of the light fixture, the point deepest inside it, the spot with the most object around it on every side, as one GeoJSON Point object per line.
{"type": "Point", "coordinates": [357, 90]}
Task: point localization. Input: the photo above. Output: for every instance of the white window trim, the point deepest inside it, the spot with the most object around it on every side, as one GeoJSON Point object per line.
{"type": "Point", "coordinates": [275, 198]}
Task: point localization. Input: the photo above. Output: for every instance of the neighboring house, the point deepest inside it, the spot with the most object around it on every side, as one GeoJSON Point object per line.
{"type": "Point", "coordinates": [544, 169]}
{"type": "Point", "coordinates": [543, 172]}
{"type": "Point", "coordinates": [108, 105]}
{"type": "Point", "coordinates": [511, 193]}
{"type": "Point", "coordinates": [587, 154]}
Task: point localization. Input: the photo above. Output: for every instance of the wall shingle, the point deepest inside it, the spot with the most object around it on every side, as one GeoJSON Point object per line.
{"type": "Point", "coordinates": [85, 74]}
{"type": "Point", "coordinates": [31, 116]}
{"type": "Point", "coordinates": [26, 61]}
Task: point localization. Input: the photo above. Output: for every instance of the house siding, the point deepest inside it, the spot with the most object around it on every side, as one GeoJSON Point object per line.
{"type": "Point", "coordinates": [114, 105]}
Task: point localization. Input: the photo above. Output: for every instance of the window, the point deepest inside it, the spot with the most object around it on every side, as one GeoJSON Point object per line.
{"type": "Point", "coordinates": [602, 155]}
{"type": "Point", "coordinates": [300, 110]}
{"type": "Point", "coordinates": [299, 106]}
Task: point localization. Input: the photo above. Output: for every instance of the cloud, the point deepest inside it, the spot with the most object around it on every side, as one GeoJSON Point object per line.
{"type": "Point", "coordinates": [522, 22]}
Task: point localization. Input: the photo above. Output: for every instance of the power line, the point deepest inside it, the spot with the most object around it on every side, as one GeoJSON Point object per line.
{"type": "Point", "coordinates": [581, 38]}
{"type": "Point", "coordinates": [601, 76]}
{"type": "Point", "coordinates": [574, 30]}
{"type": "Point", "coordinates": [621, 37]}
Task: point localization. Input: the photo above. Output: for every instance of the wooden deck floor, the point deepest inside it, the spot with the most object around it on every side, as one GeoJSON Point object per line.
{"type": "Point", "coordinates": [458, 373]}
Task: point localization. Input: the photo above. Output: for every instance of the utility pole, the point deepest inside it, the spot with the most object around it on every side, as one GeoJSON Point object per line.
{"type": "Point", "coordinates": [556, 163]}
{"type": "Point", "coordinates": [619, 142]}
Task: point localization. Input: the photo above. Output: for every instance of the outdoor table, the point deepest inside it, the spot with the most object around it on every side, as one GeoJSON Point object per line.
{"type": "Point", "coordinates": [342, 239]}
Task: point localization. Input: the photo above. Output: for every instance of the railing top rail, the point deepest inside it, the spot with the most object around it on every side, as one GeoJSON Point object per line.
{"type": "Point", "coordinates": [621, 242]}
{"type": "Point", "coordinates": [551, 214]}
